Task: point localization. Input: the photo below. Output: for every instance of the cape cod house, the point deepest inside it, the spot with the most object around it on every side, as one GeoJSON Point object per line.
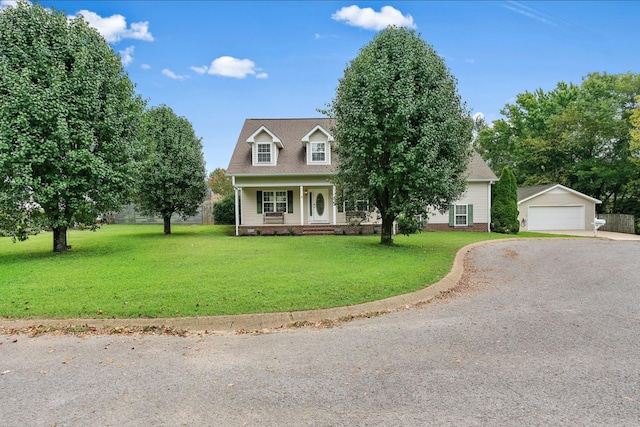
{"type": "Point", "coordinates": [281, 171]}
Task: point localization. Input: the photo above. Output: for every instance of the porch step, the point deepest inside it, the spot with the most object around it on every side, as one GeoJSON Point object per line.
{"type": "Point", "coordinates": [319, 230]}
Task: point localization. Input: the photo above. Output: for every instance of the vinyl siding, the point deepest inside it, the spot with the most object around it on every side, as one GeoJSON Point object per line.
{"type": "Point", "coordinates": [475, 195]}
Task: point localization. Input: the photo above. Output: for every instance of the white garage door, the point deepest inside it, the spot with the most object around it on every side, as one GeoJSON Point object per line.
{"type": "Point", "coordinates": [556, 218]}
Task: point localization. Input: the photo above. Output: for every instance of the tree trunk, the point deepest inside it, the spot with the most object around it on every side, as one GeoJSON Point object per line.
{"type": "Point", "coordinates": [167, 224]}
{"type": "Point", "coordinates": [60, 240]}
{"type": "Point", "coordinates": [386, 236]}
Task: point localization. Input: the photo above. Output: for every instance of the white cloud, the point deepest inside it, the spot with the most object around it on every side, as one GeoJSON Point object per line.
{"type": "Point", "coordinates": [478, 115]}
{"type": "Point", "coordinates": [140, 31]}
{"type": "Point", "coordinates": [228, 66]}
{"type": "Point", "coordinates": [127, 55]}
{"type": "Point", "coordinates": [7, 3]}
{"type": "Point", "coordinates": [114, 28]}
{"type": "Point", "coordinates": [173, 75]}
{"type": "Point", "coordinates": [145, 66]}
{"type": "Point", "coordinates": [369, 19]}
{"type": "Point", "coordinates": [200, 70]}
{"type": "Point", "coordinates": [319, 36]}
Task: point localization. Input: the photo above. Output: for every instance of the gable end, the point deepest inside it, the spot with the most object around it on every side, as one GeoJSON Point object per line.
{"type": "Point", "coordinates": [265, 146]}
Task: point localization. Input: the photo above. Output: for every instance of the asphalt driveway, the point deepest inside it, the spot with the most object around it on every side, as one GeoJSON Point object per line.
{"type": "Point", "coordinates": [541, 332]}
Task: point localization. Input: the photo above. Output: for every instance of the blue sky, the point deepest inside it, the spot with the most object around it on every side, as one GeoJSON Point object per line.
{"type": "Point", "coordinates": [217, 63]}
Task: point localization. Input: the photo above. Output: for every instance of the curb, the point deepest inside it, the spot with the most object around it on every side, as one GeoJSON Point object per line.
{"type": "Point", "coordinates": [263, 322]}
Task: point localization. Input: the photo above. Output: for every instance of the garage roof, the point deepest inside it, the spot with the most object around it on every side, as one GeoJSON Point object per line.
{"type": "Point", "coordinates": [527, 193]}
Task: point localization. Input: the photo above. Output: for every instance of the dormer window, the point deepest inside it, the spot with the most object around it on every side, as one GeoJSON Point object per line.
{"type": "Point", "coordinates": [318, 152]}
{"type": "Point", "coordinates": [264, 147]}
{"type": "Point", "coordinates": [318, 143]}
{"type": "Point", "coordinates": [264, 153]}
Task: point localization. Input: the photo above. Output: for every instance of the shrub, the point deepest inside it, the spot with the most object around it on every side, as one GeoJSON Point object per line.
{"type": "Point", "coordinates": [224, 210]}
{"type": "Point", "coordinates": [408, 225]}
{"type": "Point", "coordinates": [504, 205]}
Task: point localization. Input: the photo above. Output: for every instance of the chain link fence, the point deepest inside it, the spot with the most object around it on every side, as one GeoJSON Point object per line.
{"type": "Point", "coordinates": [130, 215]}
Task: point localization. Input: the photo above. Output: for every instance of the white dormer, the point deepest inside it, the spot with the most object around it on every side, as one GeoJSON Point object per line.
{"type": "Point", "coordinates": [318, 142]}
{"type": "Point", "coordinates": [264, 147]}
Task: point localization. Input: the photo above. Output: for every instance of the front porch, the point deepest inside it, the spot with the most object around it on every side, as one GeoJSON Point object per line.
{"type": "Point", "coordinates": [308, 229]}
{"type": "Point", "coordinates": [275, 207]}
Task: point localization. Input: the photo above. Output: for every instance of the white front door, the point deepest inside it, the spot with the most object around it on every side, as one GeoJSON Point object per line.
{"type": "Point", "coordinates": [319, 206]}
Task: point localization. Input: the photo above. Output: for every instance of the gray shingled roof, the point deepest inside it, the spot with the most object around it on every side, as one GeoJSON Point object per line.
{"type": "Point", "coordinates": [479, 170]}
{"type": "Point", "coordinates": [526, 192]}
{"type": "Point", "coordinates": [292, 159]}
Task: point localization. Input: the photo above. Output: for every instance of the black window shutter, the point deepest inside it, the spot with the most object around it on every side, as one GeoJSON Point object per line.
{"type": "Point", "coordinates": [289, 201]}
{"type": "Point", "coordinates": [259, 201]}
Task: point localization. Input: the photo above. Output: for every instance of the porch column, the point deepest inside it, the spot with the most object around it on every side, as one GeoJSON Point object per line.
{"type": "Point", "coordinates": [335, 208]}
{"type": "Point", "coordinates": [489, 206]}
{"type": "Point", "coordinates": [235, 192]}
{"type": "Point", "coordinates": [301, 205]}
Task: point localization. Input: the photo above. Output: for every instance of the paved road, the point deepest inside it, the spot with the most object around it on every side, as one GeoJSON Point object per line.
{"type": "Point", "coordinates": [543, 332]}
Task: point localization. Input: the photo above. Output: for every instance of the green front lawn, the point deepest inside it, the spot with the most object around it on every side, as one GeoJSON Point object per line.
{"type": "Point", "coordinates": [127, 271]}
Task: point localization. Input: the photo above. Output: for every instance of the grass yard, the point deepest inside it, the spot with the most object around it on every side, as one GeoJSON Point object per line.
{"type": "Point", "coordinates": [129, 271]}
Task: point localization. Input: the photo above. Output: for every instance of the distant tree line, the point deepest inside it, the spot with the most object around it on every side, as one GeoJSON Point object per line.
{"type": "Point", "coordinates": [585, 136]}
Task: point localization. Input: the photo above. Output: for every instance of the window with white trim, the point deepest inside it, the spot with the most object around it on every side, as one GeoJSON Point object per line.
{"type": "Point", "coordinates": [274, 201]}
{"type": "Point", "coordinates": [317, 145]}
{"type": "Point", "coordinates": [318, 151]}
{"type": "Point", "coordinates": [461, 215]}
{"type": "Point", "coordinates": [264, 153]}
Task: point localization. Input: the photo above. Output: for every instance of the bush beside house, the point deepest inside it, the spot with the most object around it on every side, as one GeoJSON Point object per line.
{"type": "Point", "coordinates": [224, 211]}
{"type": "Point", "coordinates": [504, 205]}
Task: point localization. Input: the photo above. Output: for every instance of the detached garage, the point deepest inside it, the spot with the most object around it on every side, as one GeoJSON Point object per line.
{"type": "Point", "coordinates": [555, 207]}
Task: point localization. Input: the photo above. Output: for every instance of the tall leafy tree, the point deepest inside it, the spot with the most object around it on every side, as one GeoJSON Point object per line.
{"type": "Point", "coordinates": [635, 130]}
{"type": "Point", "coordinates": [601, 133]}
{"type": "Point", "coordinates": [173, 175]}
{"type": "Point", "coordinates": [504, 203]}
{"type": "Point", "coordinates": [403, 134]}
{"type": "Point", "coordinates": [219, 182]}
{"type": "Point", "coordinates": [529, 140]}
{"type": "Point", "coordinates": [68, 122]}
{"type": "Point", "coordinates": [576, 135]}
{"type": "Point", "coordinates": [479, 124]}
